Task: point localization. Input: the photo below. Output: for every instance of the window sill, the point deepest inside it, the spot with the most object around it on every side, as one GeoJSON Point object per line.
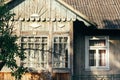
{"type": "Point", "coordinates": [61, 70]}
{"type": "Point", "coordinates": [97, 69]}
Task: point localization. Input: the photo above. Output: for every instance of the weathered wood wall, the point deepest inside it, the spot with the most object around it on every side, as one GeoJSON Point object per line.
{"type": "Point", "coordinates": [61, 76]}
{"type": "Point", "coordinates": [46, 9]}
{"type": "Point", "coordinates": [53, 19]}
{"type": "Point", "coordinates": [35, 76]}
{"type": "Point", "coordinates": [79, 53]}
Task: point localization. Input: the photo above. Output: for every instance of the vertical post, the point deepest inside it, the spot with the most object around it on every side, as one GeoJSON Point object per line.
{"type": "Point", "coordinates": [71, 49]}
{"type": "Point", "coordinates": [50, 46]}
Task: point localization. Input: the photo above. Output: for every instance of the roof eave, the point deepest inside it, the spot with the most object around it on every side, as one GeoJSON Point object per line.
{"type": "Point", "coordinates": [7, 1]}
{"type": "Point", "coordinates": [82, 16]}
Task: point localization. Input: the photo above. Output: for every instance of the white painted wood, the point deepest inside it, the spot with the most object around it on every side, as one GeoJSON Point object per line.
{"type": "Point", "coordinates": [97, 56]}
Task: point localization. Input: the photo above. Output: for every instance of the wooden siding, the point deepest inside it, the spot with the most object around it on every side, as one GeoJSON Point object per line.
{"type": "Point", "coordinates": [58, 24]}
{"type": "Point", "coordinates": [49, 29]}
{"type": "Point", "coordinates": [45, 26]}
{"type": "Point", "coordinates": [79, 54]}
{"type": "Point", "coordinates": [35, 76]}
{"type": "Point", "coordinates": [61, 76]}
{"type": "Point", "coordinates": [6, 76]}
{"type": "Point", "coordinates": [46, 9]}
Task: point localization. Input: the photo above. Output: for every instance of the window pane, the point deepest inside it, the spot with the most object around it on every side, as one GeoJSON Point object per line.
{"type": "Point", "coordinates": [31, 58]}
{"type": "Point", "coordinates": [37, 46]}
{"type": "Point", "coordinates": [24, 39]}
{"type": "Point", "coordinates": [97, 43]}
{"type": "Point", "coordinates": [60, 53]}
{"type": "Point", "coordinates": [56, 39]}
{"type": "Point", "coordinates": [36, 49]}
{"type": "Point", "coordinates": [92, 58]}
{"type": "Point", "coordinates": [96, 52]}
{"type": "Point", "coordinates": [24, 46]}
{"type": "Point", "coordinates": [31, 45]}
{"type": "Point", "coordinates": [102, 57]}
{"type": "Point", "coordinates": [31, 39]}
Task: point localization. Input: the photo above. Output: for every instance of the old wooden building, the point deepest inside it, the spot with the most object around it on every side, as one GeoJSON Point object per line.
{"type": "Point", "coordinates": [72, 39]}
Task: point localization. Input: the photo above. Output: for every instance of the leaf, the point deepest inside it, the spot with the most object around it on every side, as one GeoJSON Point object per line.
{"type": "Point", "coordinates": [9, 48]}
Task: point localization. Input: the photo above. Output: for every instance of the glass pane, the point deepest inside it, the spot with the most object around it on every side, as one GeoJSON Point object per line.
{"type": "Point", "coordinates": [44, 39]}
{"type": "Point", "coordinates": [56, 48]}
{"type": "Point", "coordinates": [37, 46]}
{"type": "Point", "coordinates": [31, 55]}
{"type": "Point", "coordinates": [92, 58]}
{"type": "Point", "coordinates": [56, 52]}
{"type": "Point", "coordinates": [31, 58]}
{"type": "Point", "coordinates": [61, 39]}
{"type": "Point", "coordinates": [65, 39]}
{"type": "Point", "coordinates": [36, 51]}
{"type": "Point", "coordinates": [26, 59]}
{"type": "Point", "coordinates": [24, 46]}
{"type": "Point", "coordinates": [31, 45]}
{"type": "Point", "coordinates": [24, 39]}
{"type": "Point", "coordinates": [102, 57]}
{"type": "Point", "coordinates": [61, 48]}
{"type": "Point", "coordinates": [66, 57]}
{"type": "Point", "coordinates": [60, 52]}
{"type": "Point", "coordinates": [31, 39]}
{"type": "Point", "coordinates": [37, 39]}
{"type": "Point", "coordinates": [97, 43]}
{"type": "Point", "coordinates": [56, 39]}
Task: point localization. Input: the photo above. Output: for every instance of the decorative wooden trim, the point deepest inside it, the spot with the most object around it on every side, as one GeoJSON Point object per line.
{"type": "Point", "coordinates": [76, 12]}
{"type": "Point", "coordinates": [44, 19]}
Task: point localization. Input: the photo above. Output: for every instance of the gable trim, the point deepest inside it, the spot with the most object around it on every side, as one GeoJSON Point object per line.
{"type": "Point", "coordinates": [82, 16]}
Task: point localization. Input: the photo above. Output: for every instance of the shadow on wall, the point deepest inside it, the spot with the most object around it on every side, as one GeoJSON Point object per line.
{"type": "Point", "coordinates": [109, 24]}
{"type": "Point", "coordinates": [114, 54]}
{"type": "Point", "coordinates": [111, 28]}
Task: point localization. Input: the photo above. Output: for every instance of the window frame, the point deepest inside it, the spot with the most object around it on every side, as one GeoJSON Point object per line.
{"type": "Point", "coordinates": [40, 36]}
{"type": "Point", "coordinates": [96, 48]}
{"type": "Point", "coordinates": [68, 43]}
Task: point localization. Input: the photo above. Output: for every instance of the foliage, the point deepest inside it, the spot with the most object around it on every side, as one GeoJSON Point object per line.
{"type": "Point", "coordinates": [45, 75]}
{"type": "Point", "coordinates": [9, 49]}
{"type": "Point", "coordinates": [19, 72]}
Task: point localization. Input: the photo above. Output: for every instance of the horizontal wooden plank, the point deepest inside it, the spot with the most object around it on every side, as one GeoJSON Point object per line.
{"type": "Point", "coordinates": [35, 76]}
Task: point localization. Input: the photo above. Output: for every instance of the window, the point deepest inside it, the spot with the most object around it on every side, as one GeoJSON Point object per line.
{"type": "Point", "coordinates": [96, 55]}
{"type": "Point", "coordinates": [61, 52]}
{"type": "Point", "coordinates": [36, 52]}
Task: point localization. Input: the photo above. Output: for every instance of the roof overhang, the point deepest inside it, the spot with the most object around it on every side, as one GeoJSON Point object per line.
{"type": "Point", "coordinates": [7, 1]}
{"type": "Point", "coordinates": [80, 16]}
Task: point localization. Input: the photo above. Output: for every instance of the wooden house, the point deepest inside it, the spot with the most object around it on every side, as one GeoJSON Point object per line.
{"type": "Point", "coordinates": [57, 36]}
